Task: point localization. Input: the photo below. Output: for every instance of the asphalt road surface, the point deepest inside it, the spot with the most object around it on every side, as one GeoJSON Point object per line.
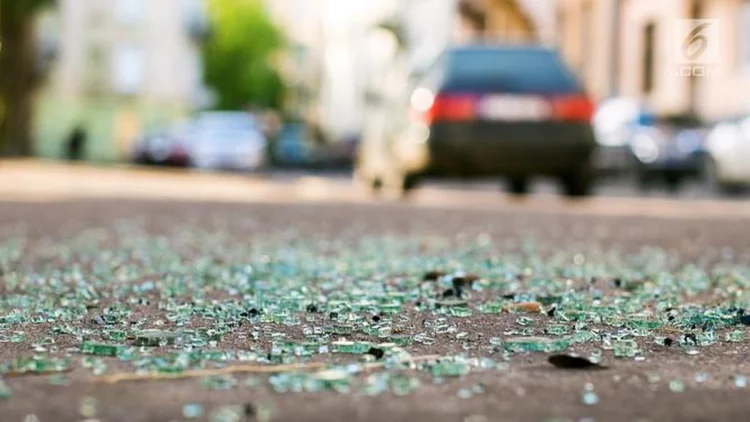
{"type": "Point", "coordinates": [89, 254]}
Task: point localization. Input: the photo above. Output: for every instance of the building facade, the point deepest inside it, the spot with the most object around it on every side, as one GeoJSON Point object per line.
{"type": "Point", "coordinates": [121, 67]}
{"type": "Point", "coordinates": [509, 21]}
{"type": "Point", "coordinates": [341, 53]}
{"type": "Point", "coordinates": [633, 48]}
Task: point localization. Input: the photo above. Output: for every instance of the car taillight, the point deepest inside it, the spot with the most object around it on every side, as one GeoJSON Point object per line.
{"type": "Point", "coordinates": [443, 107]}
{"type": "Point", "coordinates": [572, 108]}
{"type": "Point", "coordinates": [454, 107]}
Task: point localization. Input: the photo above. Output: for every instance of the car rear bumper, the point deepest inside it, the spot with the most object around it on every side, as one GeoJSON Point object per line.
{"type": "Point", "coordinates": [615, 159]}
{"type": "Point", "coordinates": [487, 148]}
{"type": "Point", "coordinates": [689, 165]}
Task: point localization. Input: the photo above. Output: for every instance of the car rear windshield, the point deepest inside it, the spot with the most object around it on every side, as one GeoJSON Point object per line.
{"type": "Point", "coordinates": [511, 70]}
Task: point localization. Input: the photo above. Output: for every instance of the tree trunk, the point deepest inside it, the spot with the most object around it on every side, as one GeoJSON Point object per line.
{"type": "Point", "coordinates": [17, 76]}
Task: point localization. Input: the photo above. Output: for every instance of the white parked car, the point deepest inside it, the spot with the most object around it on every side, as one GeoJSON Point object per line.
{"type": "Point", "coordinates": [728, 148]}
{"type": "Point", "coordinates": [228, 141]}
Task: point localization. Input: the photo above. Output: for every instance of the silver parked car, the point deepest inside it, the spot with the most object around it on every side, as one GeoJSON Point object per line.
{"type": "Point", "coordinates": [228, 141]}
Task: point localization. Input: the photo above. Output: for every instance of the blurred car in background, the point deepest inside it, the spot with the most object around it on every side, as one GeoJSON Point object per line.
{"type": "Point", "coordinates": [164, 146]}
{"type": "Point", "coordinates": [227, 141]}
{"type": "Point", "coordinates": [616, 122]}
{"type": "Point", "coordinates": [298, 146]}
{"type": "Point", "coordinates": [339, 153]}
{"type": "Point", "coordinates": [512, 111]}
{"type": "Point", "coordinates": [292, 145]}
{"type": "Point", "coordinates": [727, 160]}
{"type": "Point", "coordinates": [671, 150]}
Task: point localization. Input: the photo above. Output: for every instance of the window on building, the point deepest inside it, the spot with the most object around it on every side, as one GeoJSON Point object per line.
{"type": "Point", "coordinates": [130, 12]}
{"type": "Point", "coordinates": [95, 81]}
{"type": "Point", "coordinates": [696, 9]}
{"type": "Point", "coordinates": [744, 34]}
{"type": "Point", "coordinates": [649, 40]}
{"type": "Point", "coordinates": [128, 69]}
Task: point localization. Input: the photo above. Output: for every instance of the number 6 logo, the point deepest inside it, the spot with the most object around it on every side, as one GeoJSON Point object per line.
{"type": "Point", "coordinates": [695, 43]}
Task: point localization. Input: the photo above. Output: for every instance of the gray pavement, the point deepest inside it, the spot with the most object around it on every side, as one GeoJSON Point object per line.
{"type": "Point", "coordinates": [126, 225]}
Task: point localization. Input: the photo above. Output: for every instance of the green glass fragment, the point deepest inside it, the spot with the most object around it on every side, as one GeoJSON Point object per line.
{"type": "Point", "coordinates": [492, 307]}
{"type": "Point", "coordinates": [536, 344]}
{"type": "Point", "coordinates": [192, 411]}
{"type": "Point", "coordinates": [5, 391]}
{"type": "Point", "coordinates": [401, 340]}
{"type": "Point", "coordinates": [219, 382]}
{"type": "Point", "coordinates": [557, 329]}
{"type": "Point", "coordinates": [350, 347]}
{"type": "Point", "coordinates": [449, 369]}
{"type": "Point", "coordinates": [341, 329]}
{"type": "Point", "coordinates": [35, 364]}
{"type": "Point", "coordinates": [624, 348]}
{"type": "Point", "coordinates": [155, 338]}
{"type": "Point", "coordinates": [88, 407]}
{"type": "Point", "coordinates": [676, 386]}
{"type": "Point", "coordinates": [460, 312]}
{"type": "Point", "coordinates": [589, 397]}
{"type": "Point", "coordinates": [100, 349]}
{"type": "Point", "coordinates": [735, 336]}
{"type": "Point", "coordinates": [402, 384]}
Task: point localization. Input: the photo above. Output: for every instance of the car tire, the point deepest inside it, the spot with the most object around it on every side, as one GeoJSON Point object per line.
{"type": "Point", "coordinates": [404, 184]}
{"type": "Point", "coordinates": [578, 183]}
{"type": "Point", "coordinates": [673, 181]}
{"type": "Point", "coordinates": [144, 159]}
{"type": "Point", "coordinates": [518, 185]}
{"type": "Point", "coordinates": [732, 189]}
{"type": "Point", "coordinates": [411, 182]}
{"type": "Point", "coordinates": [644, 179]}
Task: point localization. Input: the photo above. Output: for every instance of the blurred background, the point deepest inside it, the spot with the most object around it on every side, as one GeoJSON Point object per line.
{"type": "Point", "coordinates": [251, 85]}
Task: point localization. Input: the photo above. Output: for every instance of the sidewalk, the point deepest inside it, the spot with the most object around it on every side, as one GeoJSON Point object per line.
{"type": "Point", "coordinates": [55, 181]}
{"type": "Point", "coordinates": [43, 181]}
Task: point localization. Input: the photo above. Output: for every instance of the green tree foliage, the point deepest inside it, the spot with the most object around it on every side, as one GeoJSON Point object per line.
{"type": "Point", "coordinates": [18, 74]}
{"type": "Point", "coordinates": [238, 55]}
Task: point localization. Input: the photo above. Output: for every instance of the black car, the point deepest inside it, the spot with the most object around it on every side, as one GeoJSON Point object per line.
{"type": "Point", "coordinates": [670, 150]}
{"type": "Point", "coordinates": [512, 111]}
